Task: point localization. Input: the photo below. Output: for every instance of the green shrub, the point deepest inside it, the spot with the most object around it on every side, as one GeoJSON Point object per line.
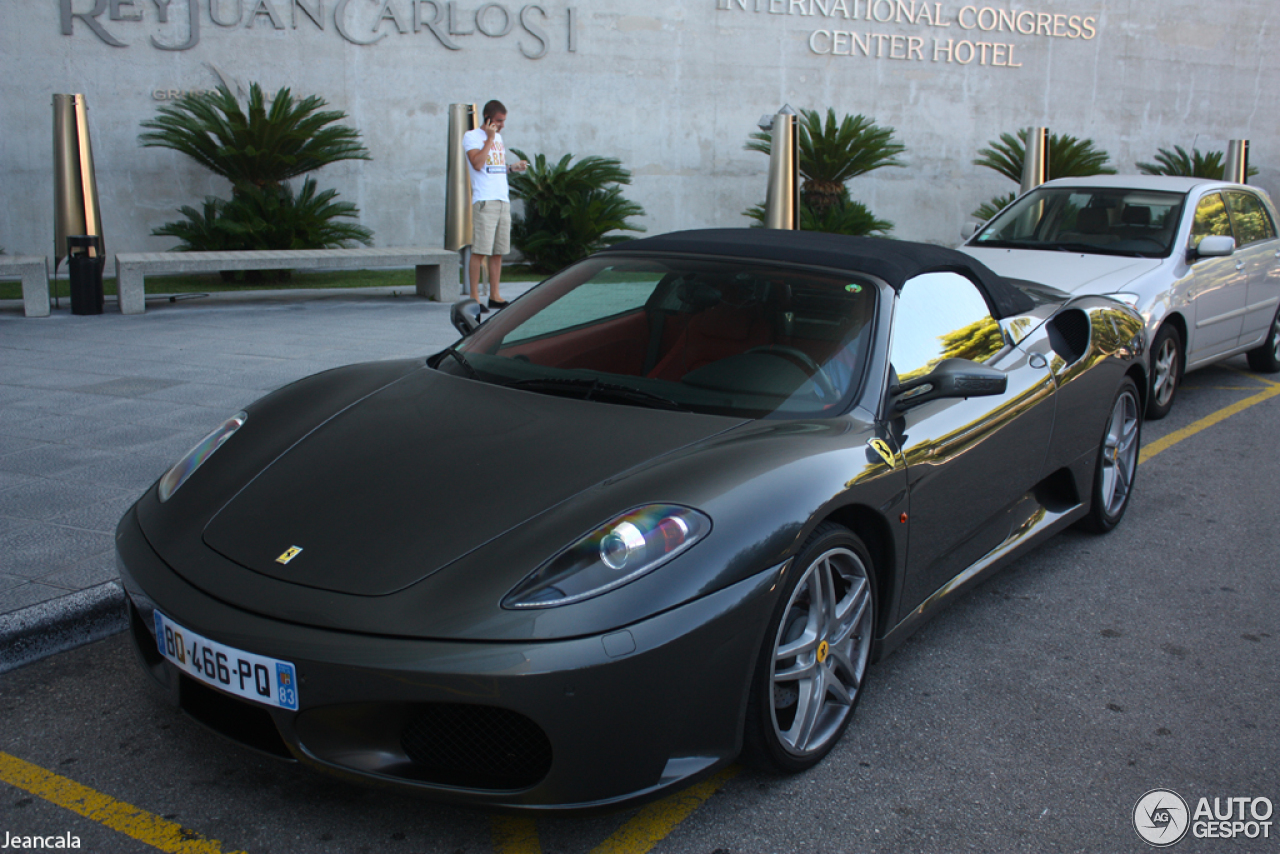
{"type": "Point", "coordinates": [263, 146]}
{"type": "Point", "coordinates": [846, 216]}
{"type": "Point", "coordinates": [570, 210]}
{"type": "Point", "coordinates": [987, 210]}
{"type": "Point", "coordinates": [832, 153]}
{"type": "Point", "coordinates": [268, 218]}
{"type": "Point", "coordinates": [1069, 157]}
{"type": "Point", "coordinates": [1210, 164]}
{"type": "Point", "coordinates": [259, 148]}
{"type": "Point", "coordinates": [264, 218]}
{"type": "Point", "coordinates": [202, 230]}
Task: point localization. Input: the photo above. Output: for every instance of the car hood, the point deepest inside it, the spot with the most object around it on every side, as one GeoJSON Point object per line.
{"type": "Point", "coordinates": [422, 472]}
{"type": "Point", "coordinates": [1072, 272]}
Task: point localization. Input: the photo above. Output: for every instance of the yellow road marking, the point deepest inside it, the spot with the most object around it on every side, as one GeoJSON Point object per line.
{"type": "Point", "coordinates": [1166, 442]}
{"type": "Point", "coordinates": [651, 825]}
{"type": "Point", "coordinates": [515, 835]}
{"type": "Point", "coordinates": [656, 821]}
{"type": "Point", "coordinates": [139, 824]}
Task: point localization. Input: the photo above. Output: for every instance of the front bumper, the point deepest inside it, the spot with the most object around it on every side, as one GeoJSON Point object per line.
{"type": "Point", "coordinates": [559, 724]}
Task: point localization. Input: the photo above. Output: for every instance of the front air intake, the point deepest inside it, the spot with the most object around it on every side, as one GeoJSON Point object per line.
{"type": "Point", "coordinates": [479, 747]}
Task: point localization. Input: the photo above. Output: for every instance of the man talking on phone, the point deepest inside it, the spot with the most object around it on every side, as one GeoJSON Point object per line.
{"type": "Point", "coordinates": [490, 200]}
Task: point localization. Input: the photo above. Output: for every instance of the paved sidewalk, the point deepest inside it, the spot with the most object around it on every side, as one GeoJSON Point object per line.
{"type": "Point", "coordinates": [94, 409]}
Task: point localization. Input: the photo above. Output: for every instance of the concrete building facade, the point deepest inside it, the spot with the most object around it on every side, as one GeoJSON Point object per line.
{"type": "Point", "coordinates": [672, 89]}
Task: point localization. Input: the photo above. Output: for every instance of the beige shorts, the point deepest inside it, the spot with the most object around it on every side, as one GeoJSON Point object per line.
{"type": "Point", "coordinates": [491, 228]}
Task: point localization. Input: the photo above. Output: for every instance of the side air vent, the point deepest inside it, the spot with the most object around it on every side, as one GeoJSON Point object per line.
{"type": "Point", "coordinates": [1069, 334]}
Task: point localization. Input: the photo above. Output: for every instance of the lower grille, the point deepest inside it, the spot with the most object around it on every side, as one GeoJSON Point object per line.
{"type": "Point", "coordinates": [481, 747]}
{"type": "Point", "coordinates": [246, 723]}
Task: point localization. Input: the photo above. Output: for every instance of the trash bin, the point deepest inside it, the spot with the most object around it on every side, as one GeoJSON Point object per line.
{"type": "Point", "coordinates": [85, 262]}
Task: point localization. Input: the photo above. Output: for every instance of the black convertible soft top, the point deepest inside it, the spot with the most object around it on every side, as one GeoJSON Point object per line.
{"type": "Point", "coordinates": [893, 261]}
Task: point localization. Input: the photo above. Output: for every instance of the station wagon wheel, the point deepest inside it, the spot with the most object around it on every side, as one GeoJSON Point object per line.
{"type": "Point", "coordinates": [1266, 358]}
{"type": "Point", "coordinates": [814, 658]}
{"type": "Point", "coordinates": [1166, 372]}
{"type": "Point", "coordinates": [1117, 460]}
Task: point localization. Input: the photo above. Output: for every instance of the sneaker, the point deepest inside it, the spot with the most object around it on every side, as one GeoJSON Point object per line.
{"type": "Point", "coordinates": [498, 303]}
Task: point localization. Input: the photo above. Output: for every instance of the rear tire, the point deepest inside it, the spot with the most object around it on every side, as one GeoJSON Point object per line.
{"type": "Point", "coordinates": [813, 662]}
{"type": "Point", "coordinates": [1266, 358]}
{"type": "Point", "coordinates": [1117, 461]}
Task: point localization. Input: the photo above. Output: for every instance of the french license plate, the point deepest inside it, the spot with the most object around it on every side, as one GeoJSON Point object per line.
{"type": "Point", "coordinates": [253, 677]}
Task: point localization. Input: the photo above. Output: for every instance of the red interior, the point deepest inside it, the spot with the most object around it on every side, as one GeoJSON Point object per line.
{"type": "Point", "coordinates": [620, 345]}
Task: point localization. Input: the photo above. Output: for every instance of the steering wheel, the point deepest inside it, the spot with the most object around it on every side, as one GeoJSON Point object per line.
{"type": "Point", "coordinates": [804, 361]}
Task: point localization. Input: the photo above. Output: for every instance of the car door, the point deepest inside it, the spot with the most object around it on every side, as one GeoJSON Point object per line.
{"type": "Point", "coordinates": [1218, 287]}
{"type": "Point", "coordinates": [968, 460]}
{"type": "Point", "coordinates": [1258, 250]}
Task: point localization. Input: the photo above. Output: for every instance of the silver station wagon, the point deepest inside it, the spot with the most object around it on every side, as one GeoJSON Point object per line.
{"type": "Point", "coordinates": [1199, 259]}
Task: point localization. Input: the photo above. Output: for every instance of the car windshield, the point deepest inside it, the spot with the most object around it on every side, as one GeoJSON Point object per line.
{"type": "Point", "coordinates": [1098, 221]}
{"type": "Point", "coordinates": [739, 338]}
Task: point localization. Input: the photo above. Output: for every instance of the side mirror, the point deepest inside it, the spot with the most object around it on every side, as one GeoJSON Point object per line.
{"type": "Point", "coordinates": [1213, 246]}
{"type": "Point", "coordinates": [969, 229]}
{"type": "Point", "coordinates": [950, 379]}
{"type": "Point", "coordinates": [465, 315]}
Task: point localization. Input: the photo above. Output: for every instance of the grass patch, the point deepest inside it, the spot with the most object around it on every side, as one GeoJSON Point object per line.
{"type": "Point", "coordinates": [211, 283]}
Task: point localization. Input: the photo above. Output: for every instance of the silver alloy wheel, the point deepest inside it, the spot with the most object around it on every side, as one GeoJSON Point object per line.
{"type": "Point", "coordinates": [821, 652]}
{"type": "Point", "coordinates": [1275, 338]}
{"type": "Point", "coordinates": [1166, 372]}
{"type": "Point", "coordinates": [1119, 453]}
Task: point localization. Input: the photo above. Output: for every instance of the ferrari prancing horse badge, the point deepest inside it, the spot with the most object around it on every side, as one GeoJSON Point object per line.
{"type": "Point", "coordinates": [881, 447]}
{"type": "Point", "coordinates": [290, 554]}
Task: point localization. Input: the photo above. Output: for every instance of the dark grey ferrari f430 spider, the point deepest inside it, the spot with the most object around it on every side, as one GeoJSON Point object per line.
{"type": "Point", "coordinates": [663, 510]}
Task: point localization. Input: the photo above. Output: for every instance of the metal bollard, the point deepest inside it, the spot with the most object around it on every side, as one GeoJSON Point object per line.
{"type": "Point", "coordinates": [1236, 168]}
{"type": "Point", "coordinates": [782, 199]}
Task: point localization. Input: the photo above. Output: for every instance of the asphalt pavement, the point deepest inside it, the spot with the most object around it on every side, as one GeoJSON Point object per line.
{"type": "Point", "coordinates": [94, 408]}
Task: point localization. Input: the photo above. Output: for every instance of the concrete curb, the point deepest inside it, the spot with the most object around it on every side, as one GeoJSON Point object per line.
{"type": "Point", "coordinates": [61, 624]}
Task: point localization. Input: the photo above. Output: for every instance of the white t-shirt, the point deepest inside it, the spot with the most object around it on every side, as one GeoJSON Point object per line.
{"type": "Point", "coordinates": [490, 183]}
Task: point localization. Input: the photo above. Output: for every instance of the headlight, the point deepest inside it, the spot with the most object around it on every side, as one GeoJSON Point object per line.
{"type": "Point", "coordinates": [195, 458]}
{"type": "Point", "coordinates": [619, 551]}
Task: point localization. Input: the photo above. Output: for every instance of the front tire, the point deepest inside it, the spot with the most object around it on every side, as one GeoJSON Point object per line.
{"type": "Point", "coordinates": [1166, 372]}
{"type": "Point", "coordinates": [813, 663]}
{"type": "Point", "coordinates": [1266, 358]}
{"type": "Point", "coordinates": [1117, 460]}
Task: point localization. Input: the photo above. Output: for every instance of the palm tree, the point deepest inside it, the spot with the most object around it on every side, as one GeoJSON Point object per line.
{"type": "Point", "coordinates": [1069, 157]}
{"type": "Point", "coordinates": [258, 148]}
{"type": "Point", "coordinates": [832, 153]}
{"type": "Point", "coordinates": [263, 146]}
{"type": "Point", "coordinates": [268, 218]}
{"type": "Point", "coordinates": [570, 210]}
{"type": "Point", "coordinates": [1195, 165]}
{"type": "Point", "coordinates": [988, 209]}
{"type": "Point", "coordinates": [846, 216]}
